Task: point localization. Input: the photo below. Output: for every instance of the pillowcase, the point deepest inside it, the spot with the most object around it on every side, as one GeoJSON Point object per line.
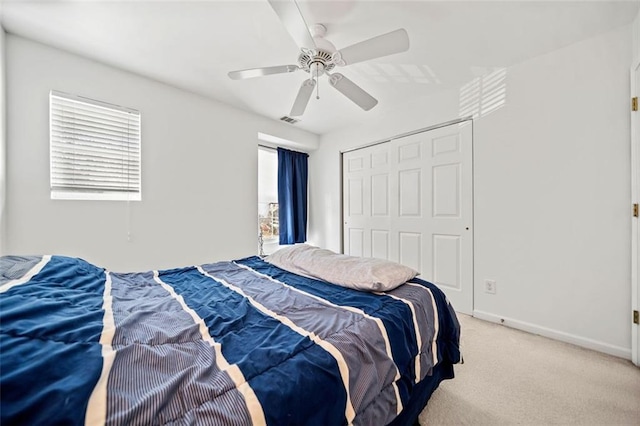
{"type": "Point", "coordinates": [358, 273]}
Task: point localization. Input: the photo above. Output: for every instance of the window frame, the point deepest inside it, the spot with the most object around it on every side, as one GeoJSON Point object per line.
{"type": "Point", "coordinates": [273, 241]}
{"type": "Point", "coordinates": [84, 193]}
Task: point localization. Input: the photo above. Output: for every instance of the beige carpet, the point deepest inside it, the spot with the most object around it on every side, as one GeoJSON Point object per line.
{"type": "Point", "coordinates": [512, 377]}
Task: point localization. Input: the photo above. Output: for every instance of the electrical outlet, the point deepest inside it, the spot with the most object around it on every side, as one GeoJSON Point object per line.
{"type": "Point", "coordinates": [490, 286]}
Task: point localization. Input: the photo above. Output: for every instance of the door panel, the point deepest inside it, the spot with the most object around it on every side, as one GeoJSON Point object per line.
{"type": "Point", "coordinates": [380, 244]}
{"type": "Point", "coordinates": [410, 192]}
{"type": "Point", "coordinates": [446, 144]}
{"type": "Point", "coordinates": [379, 159]}
{"type": "Point", "coordinates": [380, 195]}
{"type": "Point", "coordinates": [446, 190]}
{"type": "Point", "coordinates": [410, 151]}
{"type": "Point", "coordinates": [410, 201]}
{"type": "Point", "coordinates": [356, 197]}
{"type": "Point", "coordinates": [356, 241]}
{"type": "Point", "coordinates": [411, 249]}
{"type": "Point", "coordinates": [446, 260]}
{"type": "Point", "coordinates": [356, 164]}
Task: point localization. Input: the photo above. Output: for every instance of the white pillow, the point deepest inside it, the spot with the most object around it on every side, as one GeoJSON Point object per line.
{"type": "Point", "coordinates": [359, 273]}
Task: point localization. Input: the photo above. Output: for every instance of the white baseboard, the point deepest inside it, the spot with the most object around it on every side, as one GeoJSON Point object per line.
{"type": "Point", "coordinates": [556, 335]}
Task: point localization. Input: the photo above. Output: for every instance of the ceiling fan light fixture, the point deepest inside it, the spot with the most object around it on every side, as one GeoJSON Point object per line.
{"type": "Point", "coordinates": [317, 69]}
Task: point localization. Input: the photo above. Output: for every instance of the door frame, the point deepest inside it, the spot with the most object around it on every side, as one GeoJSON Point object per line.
{"type": "Point", "coordinates": [635, 226]}
{"type": "Point", "coordinates": [401, 135]}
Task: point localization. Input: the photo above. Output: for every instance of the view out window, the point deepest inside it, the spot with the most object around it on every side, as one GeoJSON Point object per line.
{"type": "Point", "coordinates": [268, 199]}
{"type": "Point", "coordinates": [95, 149]}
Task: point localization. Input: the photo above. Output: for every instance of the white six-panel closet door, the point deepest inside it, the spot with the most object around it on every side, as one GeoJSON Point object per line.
{"type": "Point", "coordinates": [410, 200]}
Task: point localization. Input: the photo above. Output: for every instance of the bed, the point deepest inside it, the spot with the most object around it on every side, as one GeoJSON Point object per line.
{"type": "Point", "coordinates": [227, 343]}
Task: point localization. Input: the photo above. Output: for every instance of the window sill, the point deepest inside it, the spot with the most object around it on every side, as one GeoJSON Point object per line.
{"type": "Point", "coordinates": [95, 196]}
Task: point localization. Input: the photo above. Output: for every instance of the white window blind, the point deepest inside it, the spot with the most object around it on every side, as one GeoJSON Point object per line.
{"type": "Point", "coordinates": [95, 149]}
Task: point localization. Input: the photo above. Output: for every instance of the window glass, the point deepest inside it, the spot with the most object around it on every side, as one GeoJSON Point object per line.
{"type": "Point", "coordinates": [268, 200]}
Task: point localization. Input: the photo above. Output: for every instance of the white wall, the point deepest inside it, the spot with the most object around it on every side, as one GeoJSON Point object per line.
{"type": "Point", "coordinates": [199, 169]}
{"type": "Point", "coordinates": [635, 44]}
{"type": "Point", "coordinates": [3, 148]}
{"type": "Point", "coordinates": [551, 191]}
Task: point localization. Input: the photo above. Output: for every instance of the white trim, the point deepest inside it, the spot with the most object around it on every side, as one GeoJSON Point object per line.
{"type": "Point", "coordinates": [96, 196]}
{"type": "Point", "coordinates": [26, 277]}
{"type": "Point", "coordinates": [556, 335]}
{"type": "Point", "coordinates": [413, 132]}
{"type": "Point", "coordinates": [635, 227]}
{"type": "Point", "coordinates": [273, 142]}
{"type": "Point", "coordinates": [101, 104]}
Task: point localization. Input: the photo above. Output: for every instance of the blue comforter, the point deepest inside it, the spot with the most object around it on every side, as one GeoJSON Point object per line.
{"type": "Point", "coordinates": [227, 343]}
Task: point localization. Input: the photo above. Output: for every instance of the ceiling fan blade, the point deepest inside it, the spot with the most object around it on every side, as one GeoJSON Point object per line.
{"type": "Point", "coordinates": [289, 13]}
{"type": "Point", "coordinates": [386, 44]}
{"type": "Point", "coordinates": [259, 72]}
{"type": "Point", "coordinates": [304, 94]}
{"type": "Point", "coordinates": [352, 91]}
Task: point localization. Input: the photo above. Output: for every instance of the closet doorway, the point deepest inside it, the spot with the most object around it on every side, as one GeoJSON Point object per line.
{"type": "Point", "coordinates": [410, 200]}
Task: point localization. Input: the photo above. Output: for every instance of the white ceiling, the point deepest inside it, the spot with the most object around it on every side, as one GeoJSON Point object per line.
{"type": "Point", "coordinates": [194, 44]}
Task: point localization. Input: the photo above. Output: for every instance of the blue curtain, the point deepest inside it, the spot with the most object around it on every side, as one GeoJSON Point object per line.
{"type": "Point", "coordinates": [292, 196]}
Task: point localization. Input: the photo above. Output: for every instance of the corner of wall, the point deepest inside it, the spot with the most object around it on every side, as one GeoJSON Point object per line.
{"type": "Point", "coordinates": [282, 134]}
{"type": "Point", "coordinates": [3, 148]}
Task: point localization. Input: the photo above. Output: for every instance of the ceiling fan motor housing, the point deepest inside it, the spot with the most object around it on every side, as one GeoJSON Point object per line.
{"type": "Point", "coordinates": [308, 58]}
{"type": "Point", "coordinates": [318, 60]}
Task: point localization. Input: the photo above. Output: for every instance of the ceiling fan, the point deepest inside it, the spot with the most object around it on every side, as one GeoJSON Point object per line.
{"type": "Point", "coordinates": [319, 57]}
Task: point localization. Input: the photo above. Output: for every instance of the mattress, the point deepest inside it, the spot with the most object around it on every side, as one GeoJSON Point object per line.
{"type": "Point", "coordinates": [228, 343]}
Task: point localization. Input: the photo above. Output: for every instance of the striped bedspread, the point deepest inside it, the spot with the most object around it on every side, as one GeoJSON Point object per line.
{"type": "Point", "coordinates": [227, 343]}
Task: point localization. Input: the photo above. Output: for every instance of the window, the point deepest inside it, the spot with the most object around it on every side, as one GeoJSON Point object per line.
{"type": "Point", "coordinates": [95, 149]}
{"type": "Point", "coordinates": [268, 200]}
